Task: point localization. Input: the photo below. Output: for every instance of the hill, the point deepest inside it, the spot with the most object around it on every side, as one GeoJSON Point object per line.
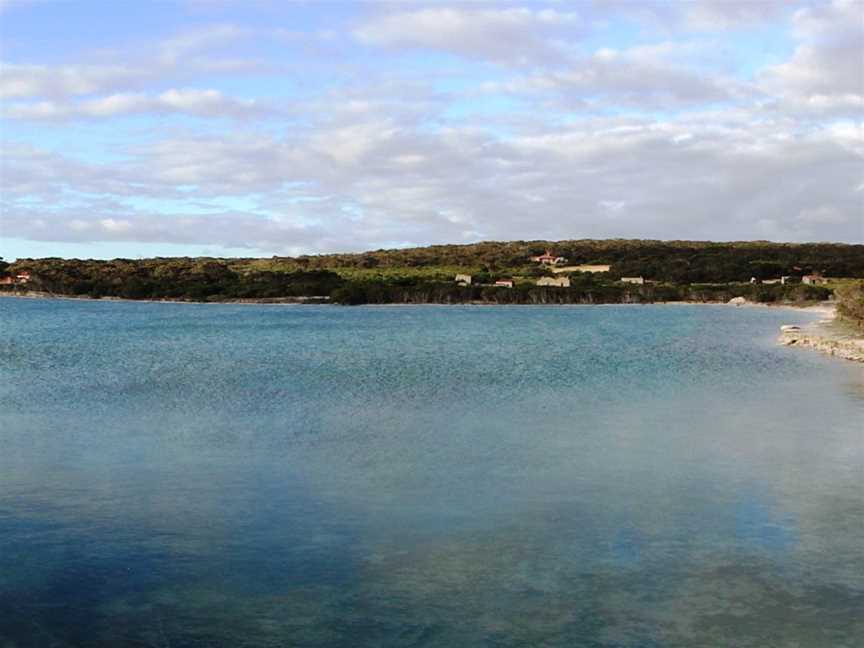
{"type": "Point", "coordinates": [708, 270]}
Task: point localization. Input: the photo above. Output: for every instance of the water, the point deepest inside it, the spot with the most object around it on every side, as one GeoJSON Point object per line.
{"type": "Point", "coordinates": [202, 475]}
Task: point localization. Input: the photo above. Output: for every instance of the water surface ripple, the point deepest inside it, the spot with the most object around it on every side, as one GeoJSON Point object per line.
{"type": "Point", "coordinates": [604, 476]}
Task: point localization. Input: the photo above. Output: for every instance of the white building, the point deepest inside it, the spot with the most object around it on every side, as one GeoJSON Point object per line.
{"type": "Point", "coordinates": [814, 280]}
{"type": "Point", "coordinates": [583, 268]}
{"type": "Point", "coordinates": [559, 282]}
{"type": "Point", "coordinates": [633, 280]}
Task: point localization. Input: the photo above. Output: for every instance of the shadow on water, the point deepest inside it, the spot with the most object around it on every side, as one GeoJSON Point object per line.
{"type": "Point", "coordinates": [503, 588]}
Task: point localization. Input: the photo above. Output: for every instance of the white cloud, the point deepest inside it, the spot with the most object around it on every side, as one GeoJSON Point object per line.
{"type": "Point", "coordinates": [115, 225]}
{"type": "Point", "coordinates": [27, 80]}
{"type": "Point", "coordinates": [226, 229]}
{"type": "Point", "coordinates": [198, 103]}
{"type": "Point", "coordinates": [379, 182]}
{"type": "Point", "coordinates": [826, 72]}
{"type": "Point", "coordinates": [516, 34]}
{"type": "Point", "coordinates": [176, 49]}
{"type": "Point", "coordinates": [553, 141]}
{"type": "Point", "coordinates": [176, 57]}
{"type": "Point", "coordinates": [637, 77]}
{"type": "Point", "coordinates": [827, 214]}
{"type": "Point", "coordinates": [730, 14]}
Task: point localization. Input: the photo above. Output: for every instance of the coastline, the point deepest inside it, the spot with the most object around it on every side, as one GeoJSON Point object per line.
{"type": "Point", "coordinates": [325, 300]}
{"type": "Point", "coordinates": [829, 336]}
{"type": "Point", "coordinates": [277, 301]}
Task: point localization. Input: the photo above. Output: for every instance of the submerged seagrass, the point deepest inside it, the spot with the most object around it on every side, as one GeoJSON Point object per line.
{"type": "Point", "coordinates": [192, 475]}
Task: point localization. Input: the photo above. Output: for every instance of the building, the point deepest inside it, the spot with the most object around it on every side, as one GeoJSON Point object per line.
{"type": "Point", "coordinates": [11, 280]}
{"type": "Point", "coordinates": [814, 280]}
{"type": "Point", "coordinates": [547, 258]}
{"type": "Point", "coordinates": [504, 283]}
{"type": "Point", "coordinates": [787, 279]}
{"type": "Point", "coordinates": [559, 282]}
{"type": "Point", "coordinates": [583, 268]}
{"type": "Point", "coordinates": [633, 280]}
{"type": "Point", "coordinates": [463, 279]}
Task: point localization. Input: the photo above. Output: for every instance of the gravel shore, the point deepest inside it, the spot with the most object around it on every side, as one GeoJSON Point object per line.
{"type": "Point", "coordinates": [830, 336]}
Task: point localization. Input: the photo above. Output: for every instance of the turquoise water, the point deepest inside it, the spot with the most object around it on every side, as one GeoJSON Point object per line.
{"type": "Point", "coordinates": [217, 475]}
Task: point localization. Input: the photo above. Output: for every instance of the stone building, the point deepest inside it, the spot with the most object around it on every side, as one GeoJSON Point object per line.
{"type": "Point", "coordinates": [560, 282]}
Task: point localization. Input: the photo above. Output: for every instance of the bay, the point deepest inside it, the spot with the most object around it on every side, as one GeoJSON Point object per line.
{"type": "Point", "coordinates": [230, 475]}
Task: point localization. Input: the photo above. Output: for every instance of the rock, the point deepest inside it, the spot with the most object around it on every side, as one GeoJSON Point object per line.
{"type": "Point", "coordinates": [737, 301]}
{"type": "Point", "coordinates": [850, 349]}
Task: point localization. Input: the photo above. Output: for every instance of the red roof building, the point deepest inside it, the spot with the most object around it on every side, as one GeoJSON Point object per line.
{"type": "Point", "coordinates": [548, 258]}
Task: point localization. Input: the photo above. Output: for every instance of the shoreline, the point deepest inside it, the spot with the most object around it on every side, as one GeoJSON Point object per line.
{"type": "Point", "coordinates": [274, 301]}
{"type": "Point", "coordinates": [822, 307]}
{"type": "Point", "coordinates": [829, 336]}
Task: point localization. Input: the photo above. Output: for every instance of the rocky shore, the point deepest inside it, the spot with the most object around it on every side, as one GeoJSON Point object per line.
{"type": "Point", "coordinates": [830, 336]}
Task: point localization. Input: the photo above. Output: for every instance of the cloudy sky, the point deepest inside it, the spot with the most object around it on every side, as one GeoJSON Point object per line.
{"type": "Point", "coordinates": [255, 128]}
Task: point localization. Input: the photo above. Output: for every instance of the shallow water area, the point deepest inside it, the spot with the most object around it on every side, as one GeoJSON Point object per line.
{"type": "Point", "coordinates": [237, 475]}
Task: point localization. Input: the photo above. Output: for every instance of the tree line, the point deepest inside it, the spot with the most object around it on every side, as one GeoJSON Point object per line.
{"type": "Point", "coordinates": [680, 270]}
{"type": "Point", "coordinates": [668, 261]}
{"type": "Point", "coordinates": [218, 280]}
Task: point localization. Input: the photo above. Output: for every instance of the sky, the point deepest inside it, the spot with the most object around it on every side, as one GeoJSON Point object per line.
{"type": "Point", "coordinates": [259, 128]}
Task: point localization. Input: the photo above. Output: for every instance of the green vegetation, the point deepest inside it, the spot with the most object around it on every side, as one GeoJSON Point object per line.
{"type": "Point", "coordinates": [202, 279]}
{"type": "Point", "coordinates": [669, 261]}
{"type": "Point", "coordinates": [678, 270]}
{"type": "Point", "coordinates": [850, 302]}
{"type": "Point", "coordinates": [585, 291]}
